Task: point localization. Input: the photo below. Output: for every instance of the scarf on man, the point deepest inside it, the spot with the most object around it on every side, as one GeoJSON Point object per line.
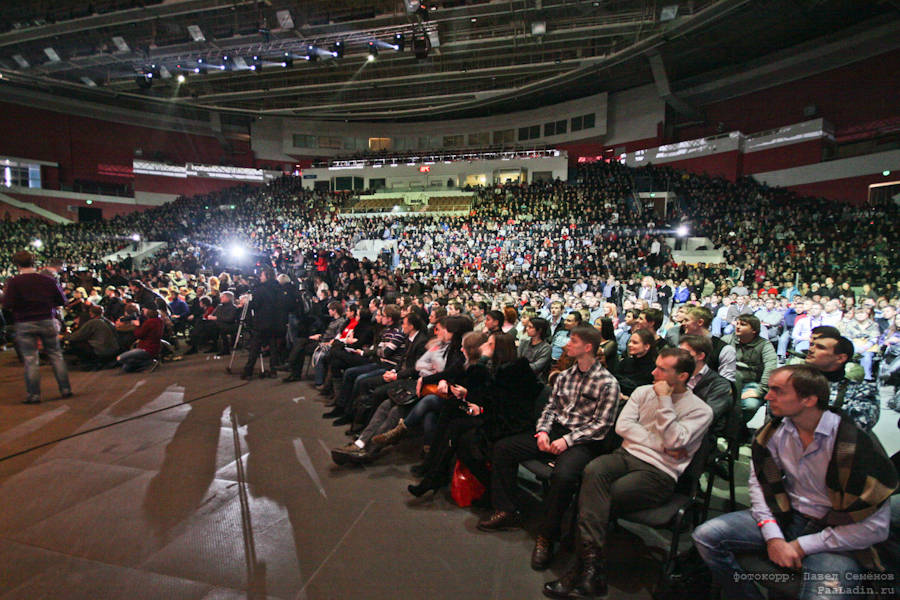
{"type": "Point", "coordinates": [860, 478]}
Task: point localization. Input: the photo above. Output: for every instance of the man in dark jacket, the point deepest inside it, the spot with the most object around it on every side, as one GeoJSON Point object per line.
{"type": "Point", "coordinates": [32, 298]}
{"type": "Point", "coordinates": [268, 311]}
{"type": "Point", "coordinates": [708, 385]}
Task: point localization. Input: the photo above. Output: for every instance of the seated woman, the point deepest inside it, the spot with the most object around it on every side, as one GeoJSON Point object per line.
{"type": "Point", "coordinates": [487, 411]}
{"type": "Point", "coordinates": [609, 349]}
{"type": "Point", "coordinates": [636, 369]}
{"type": "Point", "coordinates": [446, 351]}
{"type": "Point", "coordinates": [535, 348]}
{"type": "Point", "coordinates": [148, 335]}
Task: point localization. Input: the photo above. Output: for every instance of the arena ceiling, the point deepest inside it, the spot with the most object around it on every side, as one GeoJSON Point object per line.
{"type": "Point", "coordinates": [482, 57]}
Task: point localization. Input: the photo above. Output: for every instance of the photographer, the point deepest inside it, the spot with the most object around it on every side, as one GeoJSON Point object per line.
{"type": "Point", "coordinates": [269, 320]}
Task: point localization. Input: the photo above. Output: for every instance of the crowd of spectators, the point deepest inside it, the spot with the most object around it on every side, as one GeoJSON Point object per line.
{"type": "Point", "coordinates": [569, 285]}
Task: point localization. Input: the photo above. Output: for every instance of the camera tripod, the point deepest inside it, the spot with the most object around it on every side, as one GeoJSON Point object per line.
{"type": "Point", "coordinates": [237, 340]}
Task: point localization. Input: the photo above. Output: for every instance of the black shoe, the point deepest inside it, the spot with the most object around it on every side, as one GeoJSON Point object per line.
{"type": "Point", "coordinates": [592, 582]}
{"type": "Point", "coordinates": [342, 420]}
{"type": "Point", "coordinates": [335, 412]}
{"type": "Point", "coordinates": [418, 470]}
{"type": "Point", "coordinates": [31, 401]}
{"type": "Point", "coordinates": [424, 486]}
{"type": "Point", "coordinates": [565, 585]}
{"type": "Point", "coordinates": [291, 378]}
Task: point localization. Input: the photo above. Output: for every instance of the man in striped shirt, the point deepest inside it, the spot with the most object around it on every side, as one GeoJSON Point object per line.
{"type": "Point", "coordinates": [571, 431]}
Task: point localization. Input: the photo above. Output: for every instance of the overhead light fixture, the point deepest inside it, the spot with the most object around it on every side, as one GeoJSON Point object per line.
{"type": "Point", "coordinates": [227, 62]}
{"type": "Point", "coordinates": [51, 54]}
{"type": "Point", "coordinates": [257, 64]}
{"type": "Point", "coordinates": [196, 33]}
{"type": "Point", "coordinates": [181, 78]}
{"type": "Point", "coordinates": [539, 28]}
{"type": "Point", "coordinates": [88, 82]}
{"type": "Point", "coordinates": [285, 21]}
{"type": "Point", "coordinates": [312, 55]}
{"type": "Point", "coordinates": [201, 67]}
{"type": "Point", "coordinates": [288, 60]}
{"type": "Point", "coordinates": [373, 51]}
{"type": "Point", "coordinates": [668, 13]}
{"type": "Point", "coordinates": [337, 49]}
{"type": "Point", "coordinates": [20, 60]}
{"type": "Point", "coordinates": [120, 43]}
{"type": "Point", "coordinates": [399, 42]}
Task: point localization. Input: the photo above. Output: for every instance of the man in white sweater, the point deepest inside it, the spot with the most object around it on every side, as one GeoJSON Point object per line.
{"type": "Point", "coordinates": [661, 426]}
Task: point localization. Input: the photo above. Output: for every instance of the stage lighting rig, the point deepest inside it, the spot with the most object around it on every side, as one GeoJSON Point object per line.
{"type": "Point", "coordinates": [337, 49]}
{"type": "Point", "coordinates": [399, 42]}
{"type": "Point", "coordinates": [373, 51]}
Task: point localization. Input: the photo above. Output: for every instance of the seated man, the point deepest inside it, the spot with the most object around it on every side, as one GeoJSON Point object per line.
{"type": "Point", "coordinates": [651, 319]}
{"type": "Point", "coordinates": [829, 353]}
{"type": "Point", "coordinates": [662, 426]}
{"type": "Point", "coordinates": [803, 514]}
{"type": "Point", "coordinates": [696, 322]}
{"type": "Point", "coordinates": [226, 317]}
{"type": "Point", "coordinates": [572, 428]}
{"type": "Point", "coordinates": [95, 340]}
{"type": "Point", "coordinates": [149, 345]}
{"type": "Point", "coordinates": [708, 385]}
{"type": "Point", "coordinates": [756, 359]}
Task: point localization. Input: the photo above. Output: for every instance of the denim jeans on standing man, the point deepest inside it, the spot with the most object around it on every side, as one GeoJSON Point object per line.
{"type": "Point", "coordinates": [27, 335]}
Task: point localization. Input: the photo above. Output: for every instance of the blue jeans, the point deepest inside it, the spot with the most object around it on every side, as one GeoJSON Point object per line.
{"type": "Point", "coordinates": [351, 377]}
{"type": "Point", "coordinates": [784, 342]}
{"type": "Point", "coordinates": [135, 360]}
{"type": "Point", "coordinates": [27, 335]}
{"type": "Point", "coordinates": [719, 539]}
{"type": "Point", "coordinates": [425, 414]}
{"type": "Point", "coordinates": [749, 406]}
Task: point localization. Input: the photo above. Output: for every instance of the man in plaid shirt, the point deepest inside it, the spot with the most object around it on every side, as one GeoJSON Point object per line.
{"type": "Point", "coordinates": [571, 431]}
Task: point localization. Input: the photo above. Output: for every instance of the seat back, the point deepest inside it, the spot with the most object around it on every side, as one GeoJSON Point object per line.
{"type": "Point", "coordinates": [541, 401]}
{"type": "Point", "coordinates": [689, 482]}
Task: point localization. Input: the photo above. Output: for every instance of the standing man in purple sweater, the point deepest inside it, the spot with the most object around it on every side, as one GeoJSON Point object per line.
{"type": "Point", "coordinates": [32, 297]}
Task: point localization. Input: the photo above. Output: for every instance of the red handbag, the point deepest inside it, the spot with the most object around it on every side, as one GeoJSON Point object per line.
{"type": "Point", "coordinates": [465, 487]}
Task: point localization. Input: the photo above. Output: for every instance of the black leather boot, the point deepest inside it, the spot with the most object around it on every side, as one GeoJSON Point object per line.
{"type": "Point", "coordinates": [592, 582]}
{"type": "Point", "coordinates": [563, 587]}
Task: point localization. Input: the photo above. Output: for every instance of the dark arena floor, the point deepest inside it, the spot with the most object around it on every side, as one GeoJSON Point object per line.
{"type": "Point", "coordinates": [190, 483]}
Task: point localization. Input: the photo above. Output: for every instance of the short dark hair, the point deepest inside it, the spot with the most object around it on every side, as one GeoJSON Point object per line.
{"type": "Point", "coordinates": [750, 321]}
{"type": "Point", "coordinates": [589, 335]}
{"type": "Point", "coordinates": [23, 259]}
{"type": "Point", "coordinates": [95, 310]}
{"type": "Point", "coordinates": [576, 315]}
{"type": "Point", "coordinates": [653, 315]}
{"type": "Point", "coordinates": [808, 381]}
{"type": "Point", "coordinates": [607, 329]}
{"type": "Point", "coordinates": [844, 346]}
{"type": "Point", "coordinates": [415, 321]}
{"type": "Point", "coordinates": [699, 344]}
{"type": "Point", "coordinates": [336, 306]}
{"type": "Point", "coordinates": [685, 363]}
{"type": "Point", "coordinates": [826, 331]}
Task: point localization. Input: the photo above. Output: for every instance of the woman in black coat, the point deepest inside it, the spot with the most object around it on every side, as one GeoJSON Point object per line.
{"type": "Point", "coordinates": [500, 407]}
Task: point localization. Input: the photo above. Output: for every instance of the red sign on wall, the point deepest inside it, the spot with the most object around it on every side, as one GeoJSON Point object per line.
{"type": "Point", "coordinates": [424, 169]}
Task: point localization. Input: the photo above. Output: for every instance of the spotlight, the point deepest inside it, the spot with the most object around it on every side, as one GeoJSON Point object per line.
{"type": "Point", "coordinates": [288, 59]}
{"type": "Point", "coordinates": [237, 252]}
{"type": "Point", "coordinates": [37, 244]}
{"type": "Point", "coordinates": [373, 51]}
{"type": "Point", "coordinates": [682, 231]}
{"type": "Point", "coordinates": [144, 80]}
{"type": "Point", "coordinates": [312, 55]}
{"type": "Point", "coordinates": [201, 68]}
{"type": "Point", "coordinates": [337, 49]}
{"type": "Point", "coordinates": [257, 64]}
{"type": "Point", "coordinates": [399, 42]}
{"type": "Point", "coordinates": [181, 78]}
{"type": "Point", "coordinates": [228, 62]}
{"type": "Point", "coordinates": [135, 237]}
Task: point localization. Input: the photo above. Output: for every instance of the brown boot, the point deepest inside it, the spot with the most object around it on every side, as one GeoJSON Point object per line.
{"type": "Point", "coordinates": [392, 436]}
{"type": "Point", "coordinates": [542, 553]}
{"type": "Point", "coordinates": [592, 583]}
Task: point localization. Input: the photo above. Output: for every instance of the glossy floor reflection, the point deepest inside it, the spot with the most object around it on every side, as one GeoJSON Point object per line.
{"type": "Point", "coordinates": [189, 483]}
